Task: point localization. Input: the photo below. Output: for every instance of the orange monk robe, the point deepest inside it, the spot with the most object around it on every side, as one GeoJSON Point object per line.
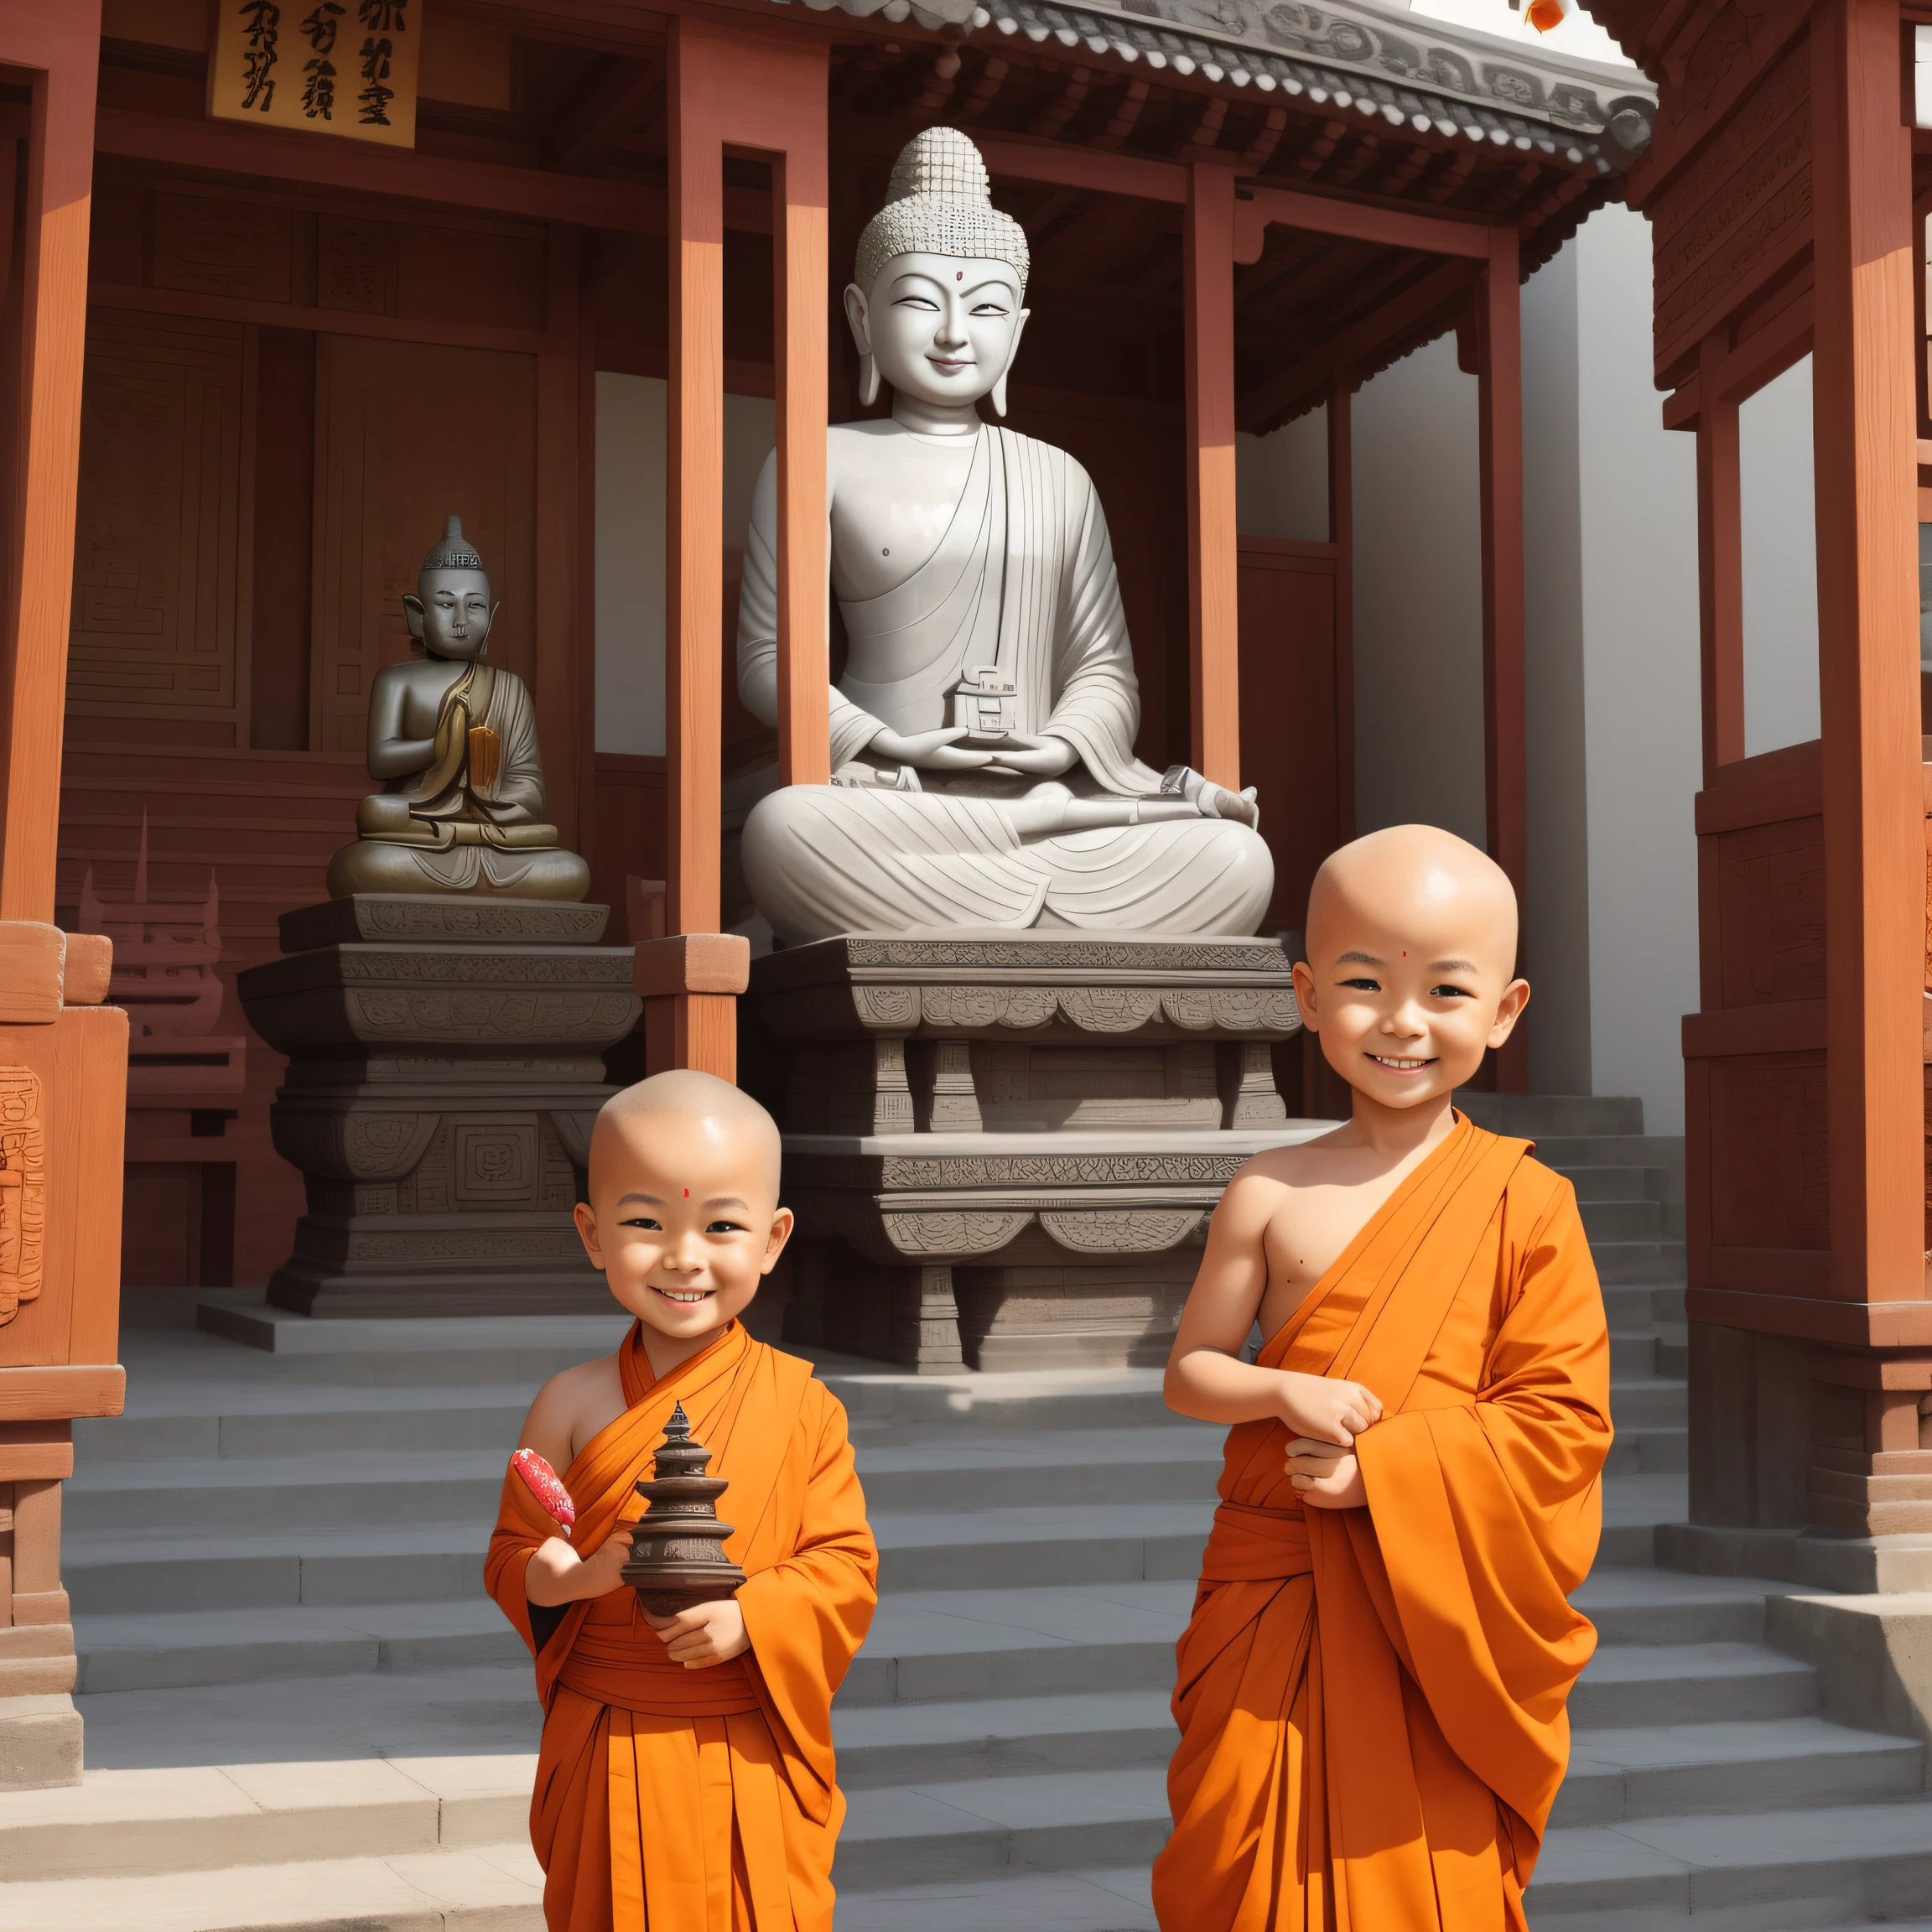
{"type": "Point", "coordinates": [669, 1799]}
{"type": "Point", "coordinates": [1371, 1701]}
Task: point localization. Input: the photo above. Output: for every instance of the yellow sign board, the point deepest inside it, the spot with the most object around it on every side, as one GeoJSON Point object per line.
{"type": "Point", "coordinates": [327, 66]}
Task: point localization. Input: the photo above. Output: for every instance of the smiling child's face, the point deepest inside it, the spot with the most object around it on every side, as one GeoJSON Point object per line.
{"type": "Point", "coordinates": [683, 1216]}
{"type": "Point", "coordinates": [1409, 975]}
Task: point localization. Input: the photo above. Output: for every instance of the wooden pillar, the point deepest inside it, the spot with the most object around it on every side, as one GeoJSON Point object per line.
{"type": "Point", "coordinates": [1342, 535]}
{"type": "Point", "coordinates": [58, 41]}
{"type": "Point", "coordinates": [1720, 565]}
{"type": "Point", "coordinates": [1504, 727]}
{"type": "Point", "coordinates": [764, 94]}
{"type": "Point", "coordinates": [1213, 618]}
{"type": "Point", "coordinates": [1863, 441]}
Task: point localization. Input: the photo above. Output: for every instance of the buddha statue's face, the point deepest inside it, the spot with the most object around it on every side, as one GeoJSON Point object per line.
{"type": "Point", "coordinates": [939, 328]}
{"type": "Point", "coordinates": [451, 615]}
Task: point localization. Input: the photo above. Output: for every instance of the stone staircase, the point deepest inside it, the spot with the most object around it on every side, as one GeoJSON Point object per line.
{"type": "Point", "coordinates": [302, 1713]}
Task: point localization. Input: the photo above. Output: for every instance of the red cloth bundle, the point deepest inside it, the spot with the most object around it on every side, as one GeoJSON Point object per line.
{"type": "Point", "coordinates": [542, 1482]}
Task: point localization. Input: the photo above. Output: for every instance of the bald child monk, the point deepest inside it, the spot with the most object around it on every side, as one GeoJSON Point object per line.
{"type": "Point", "coordinates": [686, 1782]}
{"type": "Point", "coordinates": [1371, 1690]}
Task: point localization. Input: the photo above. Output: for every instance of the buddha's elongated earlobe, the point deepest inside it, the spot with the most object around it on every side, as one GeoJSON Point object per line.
{"type": "Point", "coordinates": [868, 382]}
{"type": "Point", "coordinates": [998, 396]}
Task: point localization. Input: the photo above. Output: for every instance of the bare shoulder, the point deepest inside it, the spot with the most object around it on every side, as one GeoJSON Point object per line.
{"type": "Point", "coordinates": [1284, 1169]}
{"type": "Point", "coordinates": [571, 1407]}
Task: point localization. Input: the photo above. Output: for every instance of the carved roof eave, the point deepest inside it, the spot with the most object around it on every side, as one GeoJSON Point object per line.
{"type": "Point", "coordinates": [1403, 69]}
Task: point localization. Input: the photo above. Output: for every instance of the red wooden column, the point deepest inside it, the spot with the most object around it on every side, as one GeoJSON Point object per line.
{"type": "Point", "coordinates": [1863, 427]}
{"type": "Point", "coordinates": [59, 40]}
{"type": "Point", "coordinates": [1342, 535]}
{"type": "Point", "coordinates": [1505, 751]}
{"type": "Point", "coordinates": [1720, 565]}
{"type": "Point", "coordinates": [757, 93]}
{"type": "Point", "coordinates": [1213, 615]}
{"type": "Point", "coordinates": [63, 1056]}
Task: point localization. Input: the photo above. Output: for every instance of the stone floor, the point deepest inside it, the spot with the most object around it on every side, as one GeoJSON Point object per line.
{"type": "Point", "coordinates": [303, 1715]}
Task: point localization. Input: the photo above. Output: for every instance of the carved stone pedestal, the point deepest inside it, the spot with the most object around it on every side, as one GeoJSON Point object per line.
{"type": "Point", "coordinates": [1003, 1150]}
{"type": "Point", "coordinates": [445, 1066]}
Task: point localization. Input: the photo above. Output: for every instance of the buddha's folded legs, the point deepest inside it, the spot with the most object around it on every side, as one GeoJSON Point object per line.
{"type": "Point", "coordinates": [373, 866]}
{"type": "Point", "coordinates": [824, 859]}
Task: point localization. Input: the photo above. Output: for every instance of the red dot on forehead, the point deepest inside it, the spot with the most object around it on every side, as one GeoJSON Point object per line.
{"type": "Point", "coordinates": [687, 1193]}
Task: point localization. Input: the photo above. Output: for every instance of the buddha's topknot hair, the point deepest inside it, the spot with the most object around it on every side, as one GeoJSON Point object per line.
{"type": "Point", "coordinates": [941, 202]}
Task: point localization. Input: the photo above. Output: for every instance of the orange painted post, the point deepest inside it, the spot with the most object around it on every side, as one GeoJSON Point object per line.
{"type": "Point", "coordinates": [1213, 620]}
{"type": "Point", "coordinates": [1505, 725]}
{"type": "Point", "coordinates": [57, 42]}
{"type": "Point", "coordinates": [1720, 565]}
{"type": "Point", "coordinates": [800, 232]}
{"type": "Point", "coordinates": [764, 94]}
{"type": "Point", "coordinates": [1342, 535]}
{"type": "Point", "coordinates": [1863, 432]}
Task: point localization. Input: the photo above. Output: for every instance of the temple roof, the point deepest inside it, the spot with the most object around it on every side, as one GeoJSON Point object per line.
{"type": "Point", "coordinates": [1384, 63]}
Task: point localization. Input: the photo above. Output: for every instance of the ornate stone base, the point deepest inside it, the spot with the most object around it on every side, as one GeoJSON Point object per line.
{"type": "Point", "coordinates": [441, 1084]}
{"type": "Point", "coordinates": [1003, 1151]}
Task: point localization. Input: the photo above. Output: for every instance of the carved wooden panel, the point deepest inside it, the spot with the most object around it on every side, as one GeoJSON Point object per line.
{"type": "Point", "coordinates": [23, 1189]}
{"type": "Point", "coordinates": [1766, 886]}
{"type": "Point", "coordinates": [408, 433]}
{"type": "Point", "coordinates": [355, 265]}
{"type": "Point", "coordinates": [222, 246]}
{"type": "Point", "coordinates": [1737, 216]}
{"type": "Point", "coordinates": [156, 550]}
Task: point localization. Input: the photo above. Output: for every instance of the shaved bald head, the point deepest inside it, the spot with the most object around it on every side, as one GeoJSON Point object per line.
{"type": "Point", "coordinates": [689, 1107]}
{"type": "Point", "coordinates": [1418, 878]}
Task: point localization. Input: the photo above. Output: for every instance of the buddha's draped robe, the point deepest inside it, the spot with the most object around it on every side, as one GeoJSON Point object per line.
{"type": "Point", "coordinates": [1371, 1701]}
{"type": "Point", "coordinates": [670, 1800]}
{"type": "Point", "coordinates": [1023, 580]}
{"type": "Point", "coordinates": [473, 820]}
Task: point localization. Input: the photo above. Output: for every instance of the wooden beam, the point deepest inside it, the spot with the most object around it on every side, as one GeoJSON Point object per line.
{"type": "Point", "coordinates": [57, 42]}
{"type": "Point", "coordinates": [1863, 438]}
{"type": "Point", "coordinates": [1213, 621]}
{"type": "Point", "coordinates": [1387, 227]}
{"type": "Point", "coordinates": [1499, 403]}
{"type": "Point", "coordinates": [1016, 158]}
{"type": "Point", "coordinates": [1354, 347]}
{"type": "Point", "coordinates": [1720, 568]}
{"type": "Point", "coordinates": [270, 154]}
{"type": "Point", "coordinates": [588, 129]}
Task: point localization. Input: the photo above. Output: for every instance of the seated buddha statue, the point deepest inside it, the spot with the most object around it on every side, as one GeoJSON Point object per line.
{"type": "Point", "coordinates": [454, 740]}
{"type": "Point", "coordinates": [982, 730]}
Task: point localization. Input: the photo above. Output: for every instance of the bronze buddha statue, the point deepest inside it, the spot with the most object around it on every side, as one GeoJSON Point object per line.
{"type": "Point", "coordinates": [454, 740]}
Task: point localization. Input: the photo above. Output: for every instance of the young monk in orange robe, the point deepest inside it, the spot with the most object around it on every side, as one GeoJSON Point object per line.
{"type": "Point", "coordinates": [685, 1782]}
{"type": "Point", "coordinates": [1371, 1690]}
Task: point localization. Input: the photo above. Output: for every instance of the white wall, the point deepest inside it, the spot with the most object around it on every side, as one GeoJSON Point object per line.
{"type": "Point", "coordinates": [1642, 716]}
{"type": "Point", "coordinates": [1418, 598]}
{"type": "Point", "coordinates": [1281, 480]}
{"type": "Point", "coordinates": [1776, 508]}
{"type": "Point", "coordinates": [630, 512]}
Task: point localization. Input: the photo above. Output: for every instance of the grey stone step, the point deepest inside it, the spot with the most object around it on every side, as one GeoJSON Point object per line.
{"type": "Point", "coordinates": [1653, 1403]}
{"type": "Point", "coordinates": [1043, 1467]}
{"type": "Point", "coordinates": [1000, 1737]}
{"type": "Point", "coordinates": [1623, 1221]}
{"type": "Point", "coordinates": [1726, 1768]}
{"type": "Point", "coordinates": [152, 1652]}
{"type": "Point", "coordinates": [477, 1888]}
{"type": "Point", "coordinates": [1533, 1115]}
{"type": "Point", "coordinates": [195, 1423]}
{"type": "Point", "coordinates": [1567, 1151]}
{"type": "Point", "coordinates": [1642, 1305]}
{"type": "Point", "coordinates": [1643, 1685]}
{"type": "Point", "coordinates": [1622, 1262]}
{"type": "Point", "coordinates": [121, 1573]}
{"type": "Point", "coordinates": [976, 1829]}
{"type": "Point", "coordinates": [1836, 1864]}
{"type": "Point", "coordinates": [1017, 1547]}
{"type": "Point", "coordinates": [1622, 1180]}
{"type": "Point", "coordinates": [1649, 1451]}
{"type": "Point", "coordinates": [1632, 1605]}
{"type": "Point", "coordinates": [1094, 1901]}
{"type": "Point", "coordinates": [952, 1646]}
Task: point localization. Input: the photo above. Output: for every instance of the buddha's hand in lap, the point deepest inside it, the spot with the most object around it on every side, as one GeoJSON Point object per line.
{"type": "Point", "coordinates": [1030, 757]}
{"type": "Point", "coordinates": [929, 750]}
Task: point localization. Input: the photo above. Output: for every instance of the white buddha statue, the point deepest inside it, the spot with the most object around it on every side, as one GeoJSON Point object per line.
{"type": "Point", "coordinates": [983, 760]}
